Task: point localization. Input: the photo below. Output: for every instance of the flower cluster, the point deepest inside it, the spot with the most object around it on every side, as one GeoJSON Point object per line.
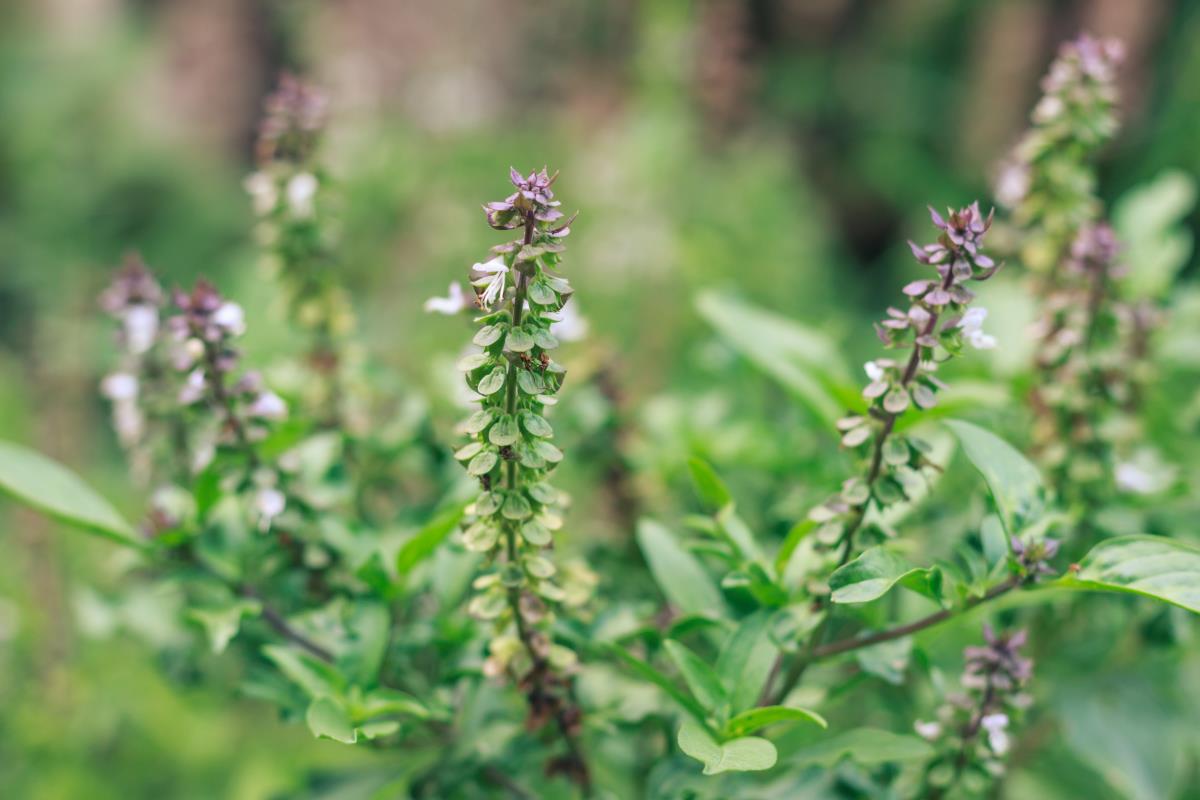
{"type": "Point", "coordinates": [289, 194]}
{"type": "Point", "coordinates": [134, 300]}
{"type": "Point", "coordinates": [1048, 182]}
{"type": "Point", "coordinates": [510, 451]}
{"type": "Point", "coordinates": [206, 327]}
{"type": "Point", "coordinates": [938, 320]}
{"type": "Point", "coordinates": [177, 396]}
{"type": "Point", "coordinates": [1091, 362]}
{"type": "Point", "coordinates": [972, 729]}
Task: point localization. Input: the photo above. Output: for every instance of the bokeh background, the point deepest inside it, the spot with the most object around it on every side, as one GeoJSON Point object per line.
{"type": "Point", "coordinates": [776, 150]}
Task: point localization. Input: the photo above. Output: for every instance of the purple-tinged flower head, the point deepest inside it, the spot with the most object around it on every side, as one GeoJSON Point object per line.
{"type": "Point", "coordinates": [134, 299]}
{"type": "Point", "coordinates": [1033, 558]}
{"type": "Point", "coordinates": [206, 315]}
{"type": "Point", "coordinates": [997, 665]}
{"type": "Point", "coordinates": [294, 117]}
{"type": "Point", "coordinates": [133, 285]}
{"type": "Point", "coordinates": [1095, 249]}
{"type": "Point", "coordinates": [533, 197]}
{"type": "Point", "coordinates": [1082, 61]}
{"type": "Point", "coordinates": [958, 257]}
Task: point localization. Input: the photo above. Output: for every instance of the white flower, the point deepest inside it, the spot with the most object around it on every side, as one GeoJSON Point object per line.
{"type": "Point", "coordinates": [269, 503]}
{"type": "Point", "coordinates": [928, 730]}
{"type": "Point", "coordinates": [261, 188]}
{"type": "Point", "coordinates": [119, 386]}
{"type": "Point", "coordinates": [972, 328]}
{"type": "Point", "coordinates": [231, 318]}
{"type": "Point", "coordinates": [1013, 184]}
{"type": "Point", "coordinates": [1048, 109]}
{"type": "Point", "coordinates": [453, 303]}
{"type": "Point", "coordinates": [301, 192]}
{"type": "Point", "coordinates": [995, 725]}
{"type": "Point", "coordinates": [269, 405]}
{"type": "Point", "coordinates": [492, 282]}
{"type": "Point", "coordinates": [569, 325]}
{"type": "Point", "coordinates": [874, 371]}
{"type": "Point", "coordinates": [141, 326]}
{"type": "Point", "coordinates": [128, 421]}
{"type": "Point", "coordinates": [193, 387]}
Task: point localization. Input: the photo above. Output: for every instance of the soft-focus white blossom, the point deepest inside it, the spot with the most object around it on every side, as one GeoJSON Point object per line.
{"type": "Point", "coordinates": [263, 194]}
{"type": "Point", "coordinates": [269, 503]}
{"type": "Point", "coordinates": [972, 328]}
{"type": "Point", "coordinates": [301, 194]}
{"type": "Point", "coordinates": [453, 303]}
{"type": "Point", "coordinates": [193, 387]}
{"type": "Point", "coordinates": [996, 726]}
{"type": "Point", "coordinates": [569, 324]}
{"type": "Point", "coordinates": [141, 327]}
{"type": "Point", "coordinates": [928, 730]}
{"type": "Point", "coordinates": [231, 318]}
{"type": "Point", "coordinates": [269, 405]}
{"type": "Point", "coordinates": [874, 371]}
{"type": "Point", "coordinates": [119, 386]}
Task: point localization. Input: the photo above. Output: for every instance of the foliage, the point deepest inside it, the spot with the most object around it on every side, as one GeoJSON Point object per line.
{"type": "Point", "coordinates": [794, 625]}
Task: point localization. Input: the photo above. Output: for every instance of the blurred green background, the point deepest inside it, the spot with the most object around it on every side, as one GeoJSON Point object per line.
{"type": "Point", "coordinates": [780, 150]}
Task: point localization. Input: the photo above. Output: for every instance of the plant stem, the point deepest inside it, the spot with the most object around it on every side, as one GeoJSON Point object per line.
{"type": "Point", "coordinates": [216, 377]}
{"type": "Point", "coordinates": [540, 666]}
{"type": "Point", "coordinates": [936, 618]}
{"type": "Point", "coordinates": [796, 670]}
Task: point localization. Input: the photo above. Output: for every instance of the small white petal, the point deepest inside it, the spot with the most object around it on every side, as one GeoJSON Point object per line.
{"type": "Point", "coordinates": [269, 405]}
{"type": "Point", "coordinates": [270, 503]}
{"type": "Point", "coordinates": [193, 387]}
{"type": "Point", "coordinates": [261, 188]}
{"type": "Point", "coordinates": [301, 192]}
{"type": "Point", "coordinates": [141, 326]}
{"type": "Point", "coordinates": [120, 386]}
{"type": "Point", "coordinates": [874, 371]}
{"type": "Point", "coordinates": [569, 324]}
{"type": "Point", "coordinates": [1132, 478]}
{"type": "Point", "coordinates": [454, 303]}
{"type": "Point", "coordinates": [231, 318]}
{"type": "Point", "coordinates": [928, 730]}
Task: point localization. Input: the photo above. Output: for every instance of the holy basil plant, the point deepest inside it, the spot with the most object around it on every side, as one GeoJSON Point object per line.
{"type": "Point", "coordinates": [395, 585]}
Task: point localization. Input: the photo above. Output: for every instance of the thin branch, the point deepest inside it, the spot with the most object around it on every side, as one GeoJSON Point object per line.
{"type": "Point", "coordinates": [936, 618]}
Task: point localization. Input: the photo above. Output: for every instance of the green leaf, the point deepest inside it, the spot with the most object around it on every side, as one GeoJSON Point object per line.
{"type": "Point", "coordinates": [803, 360]}
{"type": "Point", "coordinates": [886, 660]}
{"type": "Point", "coordinates": [1149, 221]}
{"type": "Point", "coordinates": [519, 341]}
{"type": "Point", "coordinates": [382, 701]}
{"type": "Point", "coordinates": [504, 432]}
{"type": "Point", "coordinates": [1150, 566]}
{"type": "Point", "coordinates": [314, 677]}
{"type": "Point", "coordinates": [867, 746]}
{"type": "Point", "coordinates": [536, 425]}
{"type": "Point", "coordinates": [746, 659]}
{"type": "Point", "coordinates": [873, 574]}
{"type": "Point", "coordinates": [995, 543]}
{"type": "Point", "coordinates": [704, 684]}
{"type": "Point", "coordinates": [327, 719]}
{"type": "Point", "coordinates": [679, 575]}
{"type": "Point", "coordinates": [222, 624]}
{"type": "Point", "coordinates": [492, 382]}
{"type": "Point", "coordinates": [51, 488]}
{"type": "Point", "coordinates": [747, 754]}
{"type": "Point", "coordinates": [709, 488]}
{"type": "Point", "coordinates": [426, 541]}
{"type": "Point", "coordinates": [738, 533]}
{"type": "Point", "coordinates": [649, 673]}
{"type": "Point", "coordinates": [1015, 483]}
{"type": "Point", "coordinates": [755, 718]}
